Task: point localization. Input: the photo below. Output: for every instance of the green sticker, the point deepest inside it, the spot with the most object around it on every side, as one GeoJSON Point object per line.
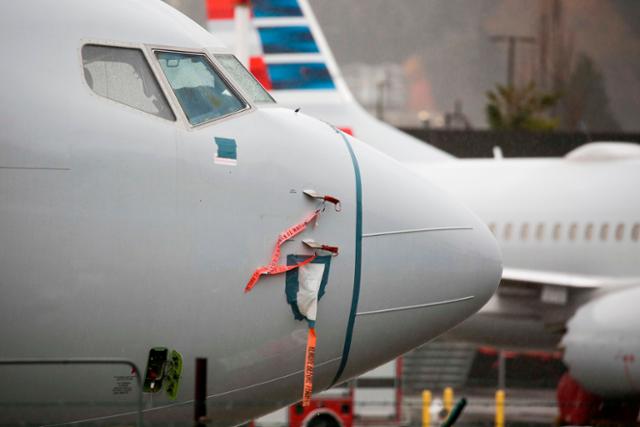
{"type": "Point", "coordinates": [173, 372]}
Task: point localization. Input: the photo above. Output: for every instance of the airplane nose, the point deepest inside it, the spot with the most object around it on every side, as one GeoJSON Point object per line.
{"type": "Point", "coordinates": [426, 263]}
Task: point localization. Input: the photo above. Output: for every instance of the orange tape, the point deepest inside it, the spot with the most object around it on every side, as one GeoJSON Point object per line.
{"type": "Point", "coordinates": [273, 267]}
{"type": "Point", "coordinates": [277, 269]}
{"type": "Point", "coordinates": [309, 360]}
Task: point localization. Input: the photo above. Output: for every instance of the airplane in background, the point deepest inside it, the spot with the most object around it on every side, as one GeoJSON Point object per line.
{"type": "Point", "coordinates": [569, 231]}
{"type": "Point", "coordinates": [145, 176]}
{"type": "Point", "coordinates": [287, 52]}
{"type": "Point", "coordinates": [569, 228]}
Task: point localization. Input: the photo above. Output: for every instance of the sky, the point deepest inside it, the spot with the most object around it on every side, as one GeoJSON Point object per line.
{"type": "Point", "coordinates": [445, 44]}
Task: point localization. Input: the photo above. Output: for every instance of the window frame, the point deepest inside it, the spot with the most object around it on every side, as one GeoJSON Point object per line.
{"type": "Point", "coordinates": [635, 232]}
{"type": "Point", "coordinates": [218, 69]}
{"type": "Point", "coordinates": [265, 104]}
{"type": "Point", "coordinates": [540, 231]}
{"type": "Point", "coordinates": [524, 231]}
{"type": "Point", "coordinates": [507, 231]}
{"type": "Point", "coordinates": [573, 232]}
{"type": "Point", "coordinates": [154, 72]}
{"type": "Point", "coordinates": [148, 50]}
{"type": "Point", "coordinates": [556, 232]}
{"type": "Point", "coordinates": [589, 231]}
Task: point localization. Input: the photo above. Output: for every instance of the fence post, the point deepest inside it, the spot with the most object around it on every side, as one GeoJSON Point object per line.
{"type": "Point", "coordinates": [447, 399]}
{"type": "Point", "coordinates": [500, 398]}
{"type": "Point", "coordinates": [200, 405]}
{"type": "Point", "coordinates": [426, 408]}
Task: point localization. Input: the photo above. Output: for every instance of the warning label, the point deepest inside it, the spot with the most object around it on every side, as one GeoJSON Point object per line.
{"type": "Point", "coordinates": [123, 384]}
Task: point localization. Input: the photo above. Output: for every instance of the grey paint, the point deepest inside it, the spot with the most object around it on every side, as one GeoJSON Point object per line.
{"type": "Point", "coordinates": [119, 233]}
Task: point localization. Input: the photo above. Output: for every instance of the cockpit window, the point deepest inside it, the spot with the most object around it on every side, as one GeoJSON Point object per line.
{"type": "Point", "coordinates": [245, 79]}
{"type": "Point", "coordinates": [123, 75]}
{"type": "Point", "coordinates": [202, 93]}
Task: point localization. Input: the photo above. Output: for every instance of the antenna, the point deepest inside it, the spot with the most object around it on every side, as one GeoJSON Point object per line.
{"type": "Point", "coordinates": [512, 42]}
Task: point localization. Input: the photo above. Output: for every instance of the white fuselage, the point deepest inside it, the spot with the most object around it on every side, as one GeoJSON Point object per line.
{"type": "Point", "coordinates": [555, 215]}
{"type": "Point", "coordinates": [562, 218]}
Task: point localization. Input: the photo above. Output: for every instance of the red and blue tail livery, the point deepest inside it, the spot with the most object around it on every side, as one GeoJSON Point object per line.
{"type": "Point", "coordinates": [288, 52]}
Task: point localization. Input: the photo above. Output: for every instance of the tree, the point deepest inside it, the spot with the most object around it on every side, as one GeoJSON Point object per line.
{"type": "Point", "coordinates": [512, 108]}
{"type": "Point", "coordinates": [585, 104]}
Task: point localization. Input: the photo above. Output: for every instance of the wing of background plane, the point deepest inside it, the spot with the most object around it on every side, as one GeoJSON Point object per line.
{"type": "Point", "coordinates": [531, 308]}
{"type": "Point", "coordinates": [569, 280]}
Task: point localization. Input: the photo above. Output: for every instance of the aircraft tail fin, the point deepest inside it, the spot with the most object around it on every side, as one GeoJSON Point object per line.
{"type": "Point", "coordinates": [288, 51]}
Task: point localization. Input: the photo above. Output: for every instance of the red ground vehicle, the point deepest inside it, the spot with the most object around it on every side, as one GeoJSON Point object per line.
{"type": "Point", "coordinates": [374, 398]}
{"type": "Point", "coordinates": [324, 411]}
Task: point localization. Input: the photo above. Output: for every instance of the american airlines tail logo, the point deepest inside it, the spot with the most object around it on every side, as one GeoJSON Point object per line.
{"type": "Point", "coordinates": [285, 53]}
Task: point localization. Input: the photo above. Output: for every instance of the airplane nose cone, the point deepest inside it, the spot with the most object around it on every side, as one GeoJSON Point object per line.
{"type": "Point", "coordinates": [427, 263]}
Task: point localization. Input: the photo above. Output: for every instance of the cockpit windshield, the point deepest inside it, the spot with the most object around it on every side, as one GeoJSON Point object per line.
{"type": "Point", "coordinates": [202, 93]}
{"type": "Point", "coordinates": [123, 75]}
{"type": "Point", "coordinates": [245, 79]}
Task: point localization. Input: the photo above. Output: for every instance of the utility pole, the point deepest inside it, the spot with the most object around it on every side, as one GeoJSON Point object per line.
{"type": "Point", "coordinates": [512, 42]}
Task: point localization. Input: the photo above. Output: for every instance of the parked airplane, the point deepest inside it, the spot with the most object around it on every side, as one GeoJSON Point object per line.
{"type": "Point", "coordinates": [290, 57]}
{"type": "Point", "coordinates": [145, 176]}
{"type": "Point", "coordinates": [569, 228]}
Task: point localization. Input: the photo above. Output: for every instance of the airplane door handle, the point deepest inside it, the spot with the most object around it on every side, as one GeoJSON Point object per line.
{"type": "Point", "coordinates": [319, 246]}
{"type": "Point", "coordinates": [324, 197]}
